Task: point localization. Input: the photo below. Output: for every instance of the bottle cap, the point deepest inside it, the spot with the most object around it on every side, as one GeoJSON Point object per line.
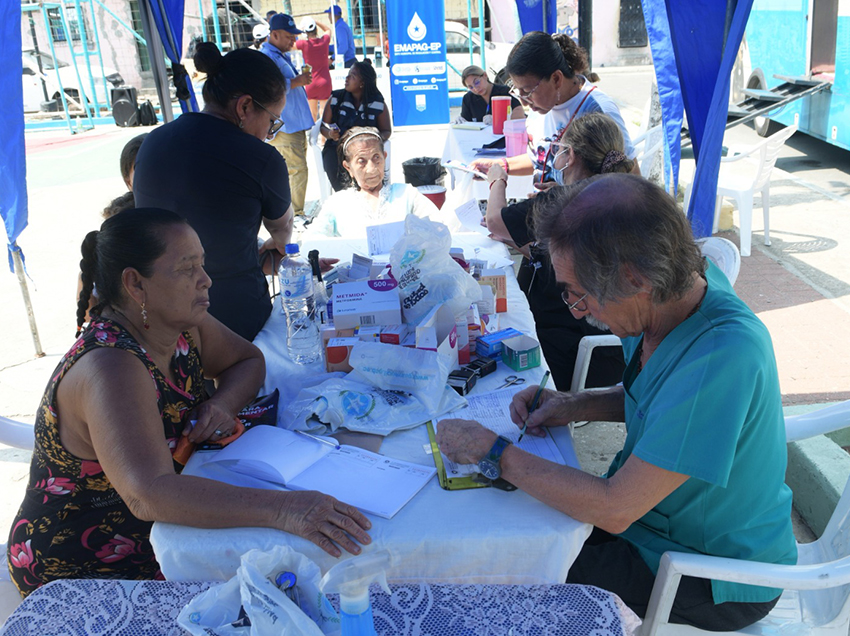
{"type": "Point", "coordinates": [292, 248]}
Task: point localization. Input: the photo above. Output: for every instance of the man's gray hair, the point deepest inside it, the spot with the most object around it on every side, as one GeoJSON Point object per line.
{"type": "Point", "coordinates": [622, 234]}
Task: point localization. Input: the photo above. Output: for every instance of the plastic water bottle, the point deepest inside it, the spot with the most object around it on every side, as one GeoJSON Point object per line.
{"type": "Point", "coordinates": [296, 299]}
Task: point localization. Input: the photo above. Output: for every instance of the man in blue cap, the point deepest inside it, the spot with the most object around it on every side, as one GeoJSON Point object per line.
{"type": "Point", "coordinates": [291, 140]}
{"type": "Point", "coordinates": [344, 37]}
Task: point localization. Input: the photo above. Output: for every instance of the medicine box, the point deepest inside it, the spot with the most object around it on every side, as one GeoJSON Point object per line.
{"type": "Point", "coordinates": [394, 334]}
{"type": "Point", "coordinates": [369, 333]}
{"type": "Point", "coordinates": [521, 353]}
{"type": "Point", "coordinates": [337, 353]}
{"type": "Point", "coordinates": [491, 344]}
{"type": "Point", "coordinates": [497, 280]}
{"type": "Point", "coordinates": [366, 303]}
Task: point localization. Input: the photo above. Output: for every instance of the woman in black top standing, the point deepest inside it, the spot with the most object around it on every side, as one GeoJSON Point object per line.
{"type": "Point", "coordinates": [360, 103]}
{"type": "Point", "coordinates": [480, 90]}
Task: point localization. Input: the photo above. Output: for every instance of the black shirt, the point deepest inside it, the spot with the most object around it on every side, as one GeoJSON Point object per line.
{"type": "Point", "coordinates": [558, 330]}
{"type": "Point", "coordinates": [223, 181]}
{"type": "Point", "coordinates": [474, 107]}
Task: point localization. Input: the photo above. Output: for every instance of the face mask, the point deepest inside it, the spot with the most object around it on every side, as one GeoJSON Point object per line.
{"type": "Point", "coordinates": [558, 176]}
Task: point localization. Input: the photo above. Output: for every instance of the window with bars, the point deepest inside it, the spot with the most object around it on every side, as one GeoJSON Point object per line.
{"type": "Point", "coordinates": [136, 23]}
{"type": "Point", "coordinates": [54, 18]}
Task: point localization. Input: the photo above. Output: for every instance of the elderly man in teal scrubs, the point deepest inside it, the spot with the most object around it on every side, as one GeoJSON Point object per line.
{"type": "Point", "coordinates": [703, 466]}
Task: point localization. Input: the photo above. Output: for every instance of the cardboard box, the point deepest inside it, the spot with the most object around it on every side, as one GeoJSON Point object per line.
{"type": "Point", "coordinates": [372, 302]}
{"type": "Point", "coordinates": [337, 353]}
{"type": "Point", "coordinates": [395, 334]}
{"type": "Point", "coordinates": [409, 340]}
{"type": "Point", "coordinates": [521, 353]}
{"type": "Point", "coordinates": [462, 340]}
{"type": "Point", "coordinates": [368, 334]}
{"type": "Point", "coordinates": [329, 331]}
{"type": "Point", "coordinates": [497, 280]}
{"type": "Point", "coordinates": [437, 331]}
{"type": "Point", "coordinates": [487, 304]}
{"type": "Point", "coordinates": [491, 344]}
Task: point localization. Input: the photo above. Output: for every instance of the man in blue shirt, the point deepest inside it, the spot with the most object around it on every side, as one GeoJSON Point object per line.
{"type": "Point", "coordinates": [291, 140]}
{"type": "Point", "coordinates": [344, 37]}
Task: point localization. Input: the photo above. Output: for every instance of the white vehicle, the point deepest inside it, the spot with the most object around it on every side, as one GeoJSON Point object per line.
{"type": "Point", "coordinates": [33, 89]}
{"type": "Point", "coordinates": [457, 53]}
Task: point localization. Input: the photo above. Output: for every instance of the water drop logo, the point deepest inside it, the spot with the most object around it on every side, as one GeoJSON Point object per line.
{"type": "Point", "coordinates": [416, 30]}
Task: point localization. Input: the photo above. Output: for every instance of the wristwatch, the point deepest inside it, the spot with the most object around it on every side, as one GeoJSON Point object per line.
{"type": "Point", "coordinates": [489, 464]}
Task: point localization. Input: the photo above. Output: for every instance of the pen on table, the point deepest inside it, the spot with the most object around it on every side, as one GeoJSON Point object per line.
{"type": "Point", "coordinates": [319, 439]}
{"type": "Point", "coordinates": [533, 404]}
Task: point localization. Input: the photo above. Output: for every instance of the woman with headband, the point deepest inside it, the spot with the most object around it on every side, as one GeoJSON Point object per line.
{"type": "Point", "coordinates": [370, 201]}
{"type": "Point", "coordinates": [545, 73]}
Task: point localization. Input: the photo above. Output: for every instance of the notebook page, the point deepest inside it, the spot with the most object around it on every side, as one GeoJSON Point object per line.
{"type": "Point", "coordinates": [492, 410]}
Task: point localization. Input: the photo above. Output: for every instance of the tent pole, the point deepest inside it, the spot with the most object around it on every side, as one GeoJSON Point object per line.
{"type": "Point", "coordinates": [481, 35]}
{"type": "Point", "coordinates": [155, 53]}
{"type": "Point", "coordinates": [19, 271]}
{"type": "Point", "coordinates": [585, 29]}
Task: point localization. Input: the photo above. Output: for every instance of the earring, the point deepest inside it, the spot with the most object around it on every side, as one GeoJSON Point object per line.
{"type": "Point", "coordinates": [241, 124]}
{"type": "Point", "coordinates": [145, 317]}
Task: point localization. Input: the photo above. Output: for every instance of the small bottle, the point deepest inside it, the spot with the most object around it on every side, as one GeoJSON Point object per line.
{"type": "Point", "coordinates": [296, 298]}
{"type": "Point", "coordinates": [350, 579]}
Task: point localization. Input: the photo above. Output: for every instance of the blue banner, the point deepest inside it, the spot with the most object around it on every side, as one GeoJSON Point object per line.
{"type": "Point", "coordinates": [13, 167]}
{"type": "Point", "coordinates": [420, 88]}
{"type": "Point", "coordinates": [538, 15]}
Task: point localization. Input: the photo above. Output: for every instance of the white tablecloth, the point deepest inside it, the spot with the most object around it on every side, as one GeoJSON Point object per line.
{"type": "Point", "coordinates": [459, 147]}
{"type": "Point", "coordinates": [150, 608]}
{"type": "Point", "coordinates": [471, 536]}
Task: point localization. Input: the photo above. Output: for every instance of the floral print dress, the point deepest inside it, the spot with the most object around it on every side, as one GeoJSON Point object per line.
{"type": "Point", "coordinates": [72, 523]}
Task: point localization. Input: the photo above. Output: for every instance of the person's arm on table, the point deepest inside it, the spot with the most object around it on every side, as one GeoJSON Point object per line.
{"type": "Point", "coordinates": [520, 165]}
{"type": "Point", "coordinates": [498, 180]}
{"type": "Point", "coordinates": [611, 504]}
{"type": "Point", "coordinates": [117, 402]}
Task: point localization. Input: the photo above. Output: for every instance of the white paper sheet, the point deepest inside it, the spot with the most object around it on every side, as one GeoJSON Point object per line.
{"type": "Point", "coordinates": [469, 215]}
{"type": "Point", "coordinates": [382, 238]}
{"type": "Point", "coordinates": [492, 410]}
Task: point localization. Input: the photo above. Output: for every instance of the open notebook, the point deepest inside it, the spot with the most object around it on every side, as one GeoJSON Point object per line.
{"type": "Point", "coordinates": [371, 482]}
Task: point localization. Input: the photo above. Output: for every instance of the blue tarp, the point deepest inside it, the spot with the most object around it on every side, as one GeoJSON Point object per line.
{"type": "Point", "coordinates": [168, 17]}
{"type": "Point", "coordinates": [703, 41]}
{"type": "Point", "coordinates": [13, 167]}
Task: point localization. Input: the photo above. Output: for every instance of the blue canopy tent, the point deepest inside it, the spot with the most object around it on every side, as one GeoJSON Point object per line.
{"type": "Point", "coordinates": [694, 45]}
{"type": "Point", "coordinates": [13, 167]}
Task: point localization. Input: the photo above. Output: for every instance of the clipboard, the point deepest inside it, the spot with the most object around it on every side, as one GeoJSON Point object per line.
{"type": "Point", "coordinates": [460, 483]}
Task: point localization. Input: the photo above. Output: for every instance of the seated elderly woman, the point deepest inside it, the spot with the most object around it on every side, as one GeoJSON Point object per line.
{"type": "Point", "coordinates": [370, 200]}
{"type": "Point", "coordinates": [591, 145]}
{"type": "Point", "coordinates": [703, 465]}
{"type": "Point", "coordinates": [120, 401]}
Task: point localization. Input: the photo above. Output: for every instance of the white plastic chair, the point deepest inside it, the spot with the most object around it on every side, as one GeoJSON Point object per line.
{"type": "Point", "coordinates": [816, 600]}
{"type": "Point", "coordinates": [741, 185]}
{"type": "Point", "coordinates": [318, 164]}
{"type": "Point", "coordinates": [648, 144]}
{"type": "Point", "coordinates": [720, 251]}
{"type": "Point", "coordinates": [16, 434]}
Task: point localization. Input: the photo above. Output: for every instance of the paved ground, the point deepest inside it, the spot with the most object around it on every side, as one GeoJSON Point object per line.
{"type": "Point", "coordinates": [799, 286]}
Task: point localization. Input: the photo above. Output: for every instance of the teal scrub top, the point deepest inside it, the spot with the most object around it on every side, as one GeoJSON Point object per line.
{"type": "Point", "coordinates": [707, 405]}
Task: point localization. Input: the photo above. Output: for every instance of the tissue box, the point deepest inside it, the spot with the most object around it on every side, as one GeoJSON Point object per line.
{"type": "Point", "coordinates": [437, 331]}
{"type": "Point", "coordinates": [394, 334]}
{"type": "Point", "coordinates": [372, 302]}
{"type": "Point", "coordinates": [491, 344]}
{"type": "Point", "coordinates": [521, 353]}
{"type": "Point", "coordinates": [337, 353]}
{"type": "Point", "coordinates": [497, 281]}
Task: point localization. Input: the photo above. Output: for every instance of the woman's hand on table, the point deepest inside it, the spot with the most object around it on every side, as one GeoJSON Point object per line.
{"type": "Point", "coordinates": [553, 409]}
{"type": "Point", "coordinates": [212, 423]}
{"type": "Point", "coordinates": [487, 119]}
{"type": "Point", "coordinates": [496, 172]}
{"type": "Point", "coordinates": [464, 441]}
{"type": "Point", "coordinates": [325, 521]}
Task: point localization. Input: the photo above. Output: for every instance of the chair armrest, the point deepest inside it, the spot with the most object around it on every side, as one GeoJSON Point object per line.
{"type": "Point", "coordinates": [674, 565]}
{"type": "Point", "coordinates": [585, 349]}
{"type": "Point", "coordinates": [825, 420]}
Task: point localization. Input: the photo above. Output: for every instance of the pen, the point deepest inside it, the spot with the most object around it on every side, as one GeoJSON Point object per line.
{"type": "Point", "coordinates": [319, 439]}
{"type": "Point", "coordinates": [533, 404]}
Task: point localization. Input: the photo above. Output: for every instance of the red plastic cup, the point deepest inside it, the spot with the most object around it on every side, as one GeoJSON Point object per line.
{"type": "Point", "coordinates": [436, 193]}
{"type": "Point", "coordinates": [499, 106]}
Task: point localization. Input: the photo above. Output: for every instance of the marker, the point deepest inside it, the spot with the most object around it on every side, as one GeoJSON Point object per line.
{"type": "Point", "coordinates": [318, 439]}
{"type": "Point", "coordinates": [533, 404]}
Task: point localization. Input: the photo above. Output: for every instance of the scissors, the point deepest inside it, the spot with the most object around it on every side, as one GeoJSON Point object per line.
{"type": "Point", "coordinates": [512, 379]}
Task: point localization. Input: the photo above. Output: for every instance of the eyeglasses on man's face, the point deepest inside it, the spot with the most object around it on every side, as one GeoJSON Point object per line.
{"type": "Point", "coordinates": [579, 305]}
{"type": "Point", "coordinates": [275, 123]}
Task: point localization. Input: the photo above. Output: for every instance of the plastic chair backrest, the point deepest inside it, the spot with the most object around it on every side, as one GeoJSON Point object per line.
{"type": "Point", "coordinates": [648, 144]}
{"type": "Point", "coordinates": [723, 253]}
{"type": "Point", "coordinates": [16, 434]}
{"type": "Point", "coordinates": [768, 154]}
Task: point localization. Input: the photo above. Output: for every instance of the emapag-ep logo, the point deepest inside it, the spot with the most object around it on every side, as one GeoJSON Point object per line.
{"type": "Point", "coordinates": [417, 30]}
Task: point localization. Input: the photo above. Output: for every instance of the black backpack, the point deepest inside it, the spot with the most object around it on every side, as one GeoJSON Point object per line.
{"type": "Point", "coordinates": [147, 114]}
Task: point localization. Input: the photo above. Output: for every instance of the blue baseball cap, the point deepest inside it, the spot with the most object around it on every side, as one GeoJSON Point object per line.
{"type": "Point", "coordinates": [337, 10]}
{"type": "Point", "coordinates": [283, 22]}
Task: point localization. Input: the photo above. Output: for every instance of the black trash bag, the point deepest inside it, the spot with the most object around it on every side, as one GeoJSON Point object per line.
{"type": "Point", "coordinates": [423, 171]}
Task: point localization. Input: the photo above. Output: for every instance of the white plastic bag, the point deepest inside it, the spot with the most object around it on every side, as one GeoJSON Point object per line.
{"type": "Point", "coordinates": [250, 604]}
{"type": "Point", "coordinates": [427, 275]}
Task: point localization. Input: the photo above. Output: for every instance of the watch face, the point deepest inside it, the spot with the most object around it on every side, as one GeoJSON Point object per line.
{"type": "Point", "coordinates": [489, 469]}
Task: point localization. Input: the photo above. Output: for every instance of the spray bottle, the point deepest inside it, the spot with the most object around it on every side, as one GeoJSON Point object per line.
{"type": "Point", "coordinates": [350, 579]}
